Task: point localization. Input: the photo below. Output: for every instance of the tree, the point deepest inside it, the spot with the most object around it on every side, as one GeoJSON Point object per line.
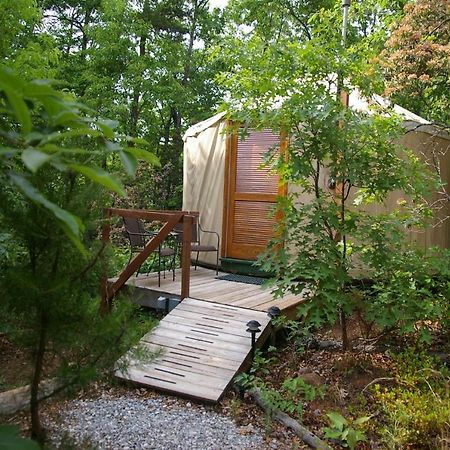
{"type": "Point", "coordinates": [52, 191]}
{"type": "Point", "coordinates": [416, 60]}
{"type": "Point", "coordinates": [322, 243]}
{"type": "Point", "coordinates": [144, 63]}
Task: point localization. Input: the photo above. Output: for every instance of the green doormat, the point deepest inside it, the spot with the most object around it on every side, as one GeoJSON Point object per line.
{"type": "Point", "coordinates": [242, 279]}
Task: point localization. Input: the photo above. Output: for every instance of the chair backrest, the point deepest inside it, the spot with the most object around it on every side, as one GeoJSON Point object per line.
{"type": "Point", "coordinates": [135, 231]}
{"type": "Point", "coordinates": [195, 237]}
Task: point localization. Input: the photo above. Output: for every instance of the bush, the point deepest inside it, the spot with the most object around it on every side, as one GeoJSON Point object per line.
{"type": "Point", "coordinates": [416, 412]}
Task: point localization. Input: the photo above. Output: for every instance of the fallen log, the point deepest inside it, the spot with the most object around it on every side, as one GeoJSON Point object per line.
{"type": "Point", "coordinates": [19, 398]}
{"type": "Point", "coordinates": [303, 433]}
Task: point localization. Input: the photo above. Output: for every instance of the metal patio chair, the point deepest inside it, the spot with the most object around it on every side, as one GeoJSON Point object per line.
{"type": "Point", "coordinates": [139, 238]}
{"type": "Point", "coordinates": [196, 245]}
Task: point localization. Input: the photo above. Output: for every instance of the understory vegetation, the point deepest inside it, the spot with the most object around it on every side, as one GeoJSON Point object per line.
{"type": "Point", "coordinates": [94, 99]}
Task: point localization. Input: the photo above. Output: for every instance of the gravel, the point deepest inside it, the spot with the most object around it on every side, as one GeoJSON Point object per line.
{"type": "Point", "coordinates": [130, 422]}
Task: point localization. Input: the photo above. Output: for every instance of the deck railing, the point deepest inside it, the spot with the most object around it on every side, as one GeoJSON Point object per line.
{"type": "Point", "coordinates": [170, 219]}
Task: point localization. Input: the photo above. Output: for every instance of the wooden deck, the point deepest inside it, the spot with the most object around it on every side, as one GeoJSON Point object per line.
{"type": "Point", "coordinates": [200, 346]}
{"type": "Point", "coordinates": [202, 343]}
{"type": "Point", "coordinates": [205, 286]}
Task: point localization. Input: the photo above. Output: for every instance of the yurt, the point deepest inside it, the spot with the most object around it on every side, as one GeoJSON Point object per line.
{"type": "Point", "coordinates": [224, 181]}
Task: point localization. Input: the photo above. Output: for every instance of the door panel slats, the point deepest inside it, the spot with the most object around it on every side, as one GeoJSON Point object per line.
{"type": "Point", "coordinates": [252, 195]}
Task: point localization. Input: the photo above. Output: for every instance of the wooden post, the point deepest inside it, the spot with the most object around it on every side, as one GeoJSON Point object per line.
{"type": "Point", "coordinates": [186, 255]}
{"type": "Point", "coordinates": [106, 231]}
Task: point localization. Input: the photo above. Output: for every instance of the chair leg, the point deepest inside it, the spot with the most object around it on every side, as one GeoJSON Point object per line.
{"type": "Point", "coordinates": [129, 260]}
{"type": "Point", "coordinates": [217, 263]}
{"type": "Point", "coordinates": [196, 261]}
{"type": "Point", "coordinates": [159, 269]}
{"type": "Point", "coordinates": [173, 265]}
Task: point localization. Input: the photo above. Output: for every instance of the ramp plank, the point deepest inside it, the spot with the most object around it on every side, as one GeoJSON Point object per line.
{"type": "Point", "coordinates": [200, 346]}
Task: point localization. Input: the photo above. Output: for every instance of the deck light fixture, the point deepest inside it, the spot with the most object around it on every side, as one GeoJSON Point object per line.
{"type": "Point", "coordinates": [273, 312]}
{"type": "Point", "coordinates": [253, 328]}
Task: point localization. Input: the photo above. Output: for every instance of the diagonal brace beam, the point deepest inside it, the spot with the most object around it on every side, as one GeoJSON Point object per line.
{"type": "Point", "coordinates": [139, 259]}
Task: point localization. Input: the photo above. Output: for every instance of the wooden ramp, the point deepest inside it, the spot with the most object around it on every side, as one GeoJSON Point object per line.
{"type": "Point", "coordinates": [199, 347]}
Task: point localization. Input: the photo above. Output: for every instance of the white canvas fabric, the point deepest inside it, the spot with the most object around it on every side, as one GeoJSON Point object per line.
{"type": "Point", "coordinates": [203, 177]}
{"type": "Point", "coordinates": [204, 169]}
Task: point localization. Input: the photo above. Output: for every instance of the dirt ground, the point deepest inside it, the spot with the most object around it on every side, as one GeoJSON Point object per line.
{"type": "Point", "coordinates": [345, 375]}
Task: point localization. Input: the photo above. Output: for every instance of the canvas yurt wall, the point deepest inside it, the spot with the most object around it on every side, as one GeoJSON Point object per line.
{"type": "Point", "coordinates": [203, 177]}
{"type": "Point", "coordinates": [223, 180]}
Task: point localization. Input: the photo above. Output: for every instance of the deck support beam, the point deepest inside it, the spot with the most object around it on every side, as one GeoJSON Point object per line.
{"type": "Point", "coordinates": [171, 218]}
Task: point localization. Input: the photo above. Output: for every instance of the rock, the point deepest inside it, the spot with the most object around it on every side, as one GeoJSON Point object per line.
{"type": "Point", "coordinates": [247, 429]}
{"type": "Point", "coordinates": [129, 421]}
{"type": "Point", "coordinates": [17, 399]}
{"type": "Point", "coordinates": [312, 378]}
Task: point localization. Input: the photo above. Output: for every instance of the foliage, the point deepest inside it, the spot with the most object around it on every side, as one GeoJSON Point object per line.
{"type": "Point", "coordinates": [260, 366]}
{"type": "Point", "coordinates": [10, 439]}
{"type": "Point", "coordinates": [349, 432]}
{"type": "Point", "coordinates": [53, 183]}
{"type": "Point", "coordinates": [416, 412]}
{"type": "Point", "coordinates": [341, 164]}
{"type": "Point", "coordinates": [143, 63]}
{"type": "Point", "coordinates": [416, 60]}
{"type": "Point", "coordinates": [410, 291]}
{"type": "Point", "coordinates": [36, 120]}
{"type": "Point", "coordinates": [292, 394]}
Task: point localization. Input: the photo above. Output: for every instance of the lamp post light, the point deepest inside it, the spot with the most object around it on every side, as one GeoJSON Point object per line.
{"type": "Point", "coordinates": [253, 328]}
{"type": "Point", "coordinates": [273, 312]}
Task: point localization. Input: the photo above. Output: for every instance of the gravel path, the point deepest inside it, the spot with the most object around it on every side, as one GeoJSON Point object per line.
{"type": "Point", "coordinates": [130, 422]}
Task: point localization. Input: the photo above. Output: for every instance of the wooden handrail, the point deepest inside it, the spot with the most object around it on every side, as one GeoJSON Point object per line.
{"type": "Point", "coordinates": [171, 218]}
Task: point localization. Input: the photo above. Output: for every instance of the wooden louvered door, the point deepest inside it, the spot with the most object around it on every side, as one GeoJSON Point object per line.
{"type": "Point", "coordinates": [251, 193]}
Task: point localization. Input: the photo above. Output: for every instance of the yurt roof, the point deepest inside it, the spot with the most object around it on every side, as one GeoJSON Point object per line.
{"type": "Point", "coordinates": [412, 122]}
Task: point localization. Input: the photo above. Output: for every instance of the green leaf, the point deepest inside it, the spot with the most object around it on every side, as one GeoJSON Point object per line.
{"type": "Point", "coordinates": [353, 437]}
{"type": "Point", "coordinates": [11, 84]}
{"type": "Point", "coordinates": [7, 152]}
{"type": "Point", "coordinates": [144, 155]}
{"type": "Point", "coordinates": [11, 440]}
{"type": "Point", "coordinates": [331, 433]}
{"type": "Point", "coordinates": [100, 176]}
{"type": "Point", "coordinates": [71, 224]}
{"type": "Point", "coordinates": [113, 146]}
{"type": "Point", "coordinates": [66, 117]}
{"type": "Point", "coordinates": [77, 132]}
{"type": "Point", "coordinates": [337, 420]}
{"type": "Point", "coordinates": [138, 140]}
{"type": "Point", "coordinates": [34, 159]}
{"type": "Point", "coordinates": [129, 162]}
{"type": "Point", "coordinates": [361, 420]}
{"type": "Point", "coordinates": [39, 88]}
{"type": "Point", "coordinates": [107, 127]}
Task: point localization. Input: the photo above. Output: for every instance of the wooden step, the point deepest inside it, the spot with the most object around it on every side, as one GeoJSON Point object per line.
{"type": "Point", "coordinates": [200, 347]}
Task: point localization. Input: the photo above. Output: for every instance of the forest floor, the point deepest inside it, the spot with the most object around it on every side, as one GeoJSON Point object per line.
{"type": "Point", "coordinates": [362, 383]}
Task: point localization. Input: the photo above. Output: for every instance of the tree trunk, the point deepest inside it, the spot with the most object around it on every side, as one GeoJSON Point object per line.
{"type": "Point", "coordinates": [37, 432]}
{"type": "Point", "coordinates": [134, 109]}
{"type": "Point", "coordinates": [345, 341]}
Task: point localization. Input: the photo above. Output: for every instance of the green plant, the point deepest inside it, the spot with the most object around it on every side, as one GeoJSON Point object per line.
{"type": "Point", "coordinates": [260, 366]}
{"type": "Point", "coordinates": [10, 439]}
{"type": "Point", "coordinates": [54, 183]}
{"type": "Point", "coordinates": [234, 406]}
{"type": "Point", "coordinates": [340, 163]}
{"type": "Point", "coordinates": [416, 412]}
{"type": "Point", "coordinates": [293, 393]}
{"type": "Point", "coordinates": [347, 431]}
